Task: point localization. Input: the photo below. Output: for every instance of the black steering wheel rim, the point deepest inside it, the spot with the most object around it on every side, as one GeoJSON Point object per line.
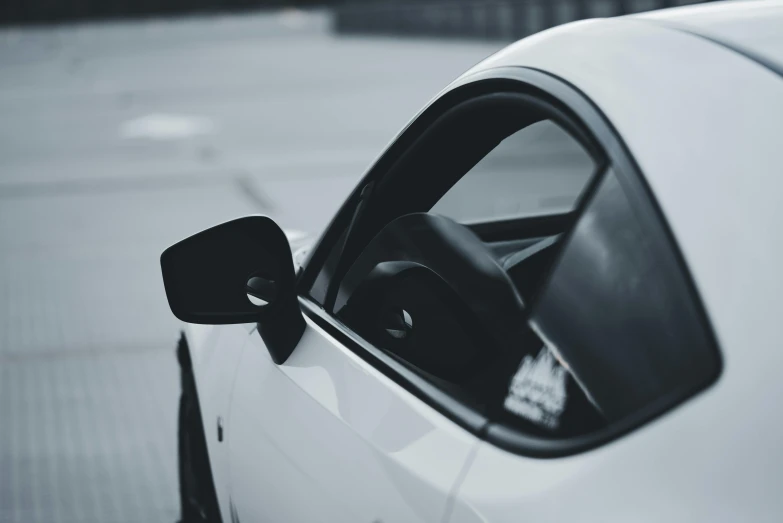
{"type": "Point", "coordinates": [458, 257]}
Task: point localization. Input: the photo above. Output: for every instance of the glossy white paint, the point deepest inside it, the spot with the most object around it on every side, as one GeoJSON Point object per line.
{"type": "Point", "coordinates": [705, 126]}
{"type": "Point", "coordinates": [215, 352]}
{"type": "Point", "coordinates": [752, 25]}
{"type": "Point", "coordinates": [326, 437]}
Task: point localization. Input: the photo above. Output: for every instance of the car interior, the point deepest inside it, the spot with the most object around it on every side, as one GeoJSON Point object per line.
{"type": "Point", "coordinates": [429, 292]}
{"type": "Point", "coordinates": [450, 300]}
{"type": "Point", "coordinates": [555, 314]}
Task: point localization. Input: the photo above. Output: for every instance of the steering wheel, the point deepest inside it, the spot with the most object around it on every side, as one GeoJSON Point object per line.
{"type": "Point", "coordinates": [421, 255]}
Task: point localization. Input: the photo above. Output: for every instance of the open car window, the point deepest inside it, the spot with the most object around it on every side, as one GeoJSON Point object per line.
{"type": "Point", "coordinates": [448, 304]}
{"type": "Point", "coordinates": [500, 258]}
{"type": "Point", "coordinates": [538, 170]}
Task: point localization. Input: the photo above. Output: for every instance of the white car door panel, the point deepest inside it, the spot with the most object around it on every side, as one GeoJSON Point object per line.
{"type": "Point", "coordinates": [675, 470]}
{"type": "Point", "coordinates": [326, 437]}
{"type": "Point", "coordinates": [215, 353]}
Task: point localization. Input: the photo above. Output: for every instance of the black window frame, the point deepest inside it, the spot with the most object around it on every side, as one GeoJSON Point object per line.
{"type": "Point", "coordinates": [536, 100]}
{"type": "Point", "coordinates": [583, 120]}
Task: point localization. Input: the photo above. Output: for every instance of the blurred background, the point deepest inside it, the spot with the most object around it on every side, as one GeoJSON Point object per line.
{"type": "Point", "coordinates": [126, 125]}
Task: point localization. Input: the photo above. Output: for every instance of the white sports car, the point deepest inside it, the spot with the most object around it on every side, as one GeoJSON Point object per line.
{"type": "Point", "coordinates": [555, 296]}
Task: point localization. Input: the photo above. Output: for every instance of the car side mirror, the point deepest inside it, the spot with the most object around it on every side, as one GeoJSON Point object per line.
{"type": "Point", "coordinates": [240, 271]}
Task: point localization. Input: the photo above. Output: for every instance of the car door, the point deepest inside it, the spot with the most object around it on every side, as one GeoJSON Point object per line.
{"type": "Point", "coordinates": [340, 431]}
{"type": "Point", "coordinates": [345, 429]}
{"type": "Point", "coordinates": [326, 437]}
{"type": "Point", "coordinates": [418, 305]}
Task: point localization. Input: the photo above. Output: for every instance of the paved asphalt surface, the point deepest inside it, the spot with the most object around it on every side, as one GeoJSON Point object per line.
{"type": "Point", "coordinates": [117, 140]}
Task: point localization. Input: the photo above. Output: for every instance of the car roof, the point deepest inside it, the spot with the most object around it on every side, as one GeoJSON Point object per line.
{"type": "Point", "coordinates": [753, 28]}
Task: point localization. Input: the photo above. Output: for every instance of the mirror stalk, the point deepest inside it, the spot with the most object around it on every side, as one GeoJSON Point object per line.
{"type": "Point", "coordinates": [282, 328]}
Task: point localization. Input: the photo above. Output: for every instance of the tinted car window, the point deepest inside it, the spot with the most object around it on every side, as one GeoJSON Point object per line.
{"type": "Point", "coordinates": [619, 311]}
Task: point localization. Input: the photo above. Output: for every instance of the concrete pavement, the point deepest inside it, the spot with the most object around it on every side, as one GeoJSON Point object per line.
{"type": "Point", "coordinates": [117, 140]}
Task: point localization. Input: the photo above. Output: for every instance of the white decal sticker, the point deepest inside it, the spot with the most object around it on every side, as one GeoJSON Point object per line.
{"type": "Point", "coordinates": [538, 390]}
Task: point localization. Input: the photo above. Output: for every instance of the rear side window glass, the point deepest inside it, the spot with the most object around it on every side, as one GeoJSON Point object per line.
{"type": "Point", "coordinates": [619, 312]}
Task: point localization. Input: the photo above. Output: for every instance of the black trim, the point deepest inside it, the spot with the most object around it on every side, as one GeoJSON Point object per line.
{"type": "Point", "coordinates": [556, 107]}
{"type": "Point", "coordinates": [499, 434]}
{"type": "Point", "coordinates": [331, 291]}
{"type": "Point", "coordinates": [588, 124]}
{"type": "Point", "coordinates": [511, 439]}
{"type": "Point", "coordinates": [395, 369]}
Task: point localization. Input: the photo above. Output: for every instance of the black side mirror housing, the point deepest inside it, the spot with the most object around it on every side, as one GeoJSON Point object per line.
{"type": "Point", "coordinates": [240, 271]}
